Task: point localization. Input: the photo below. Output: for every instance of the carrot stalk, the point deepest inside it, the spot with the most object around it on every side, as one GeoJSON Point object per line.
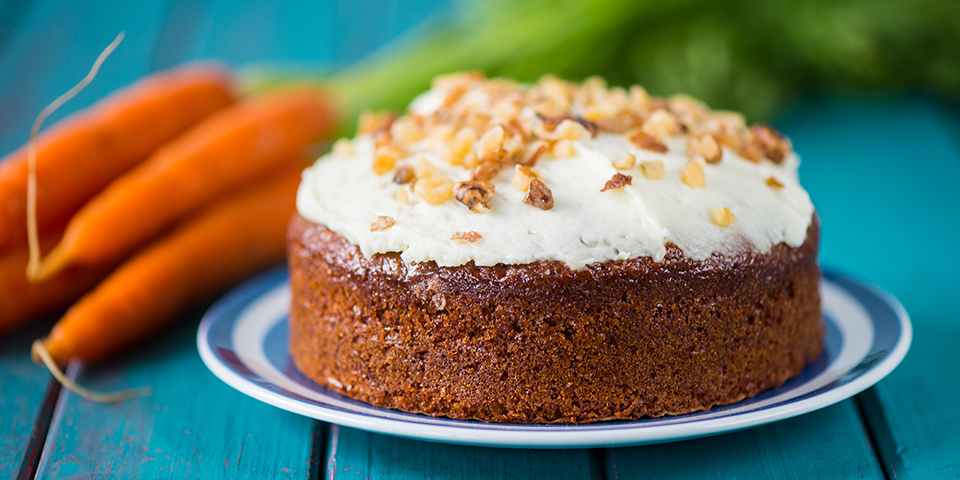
{"type": "Point", "coordinates": [80, 155]}
{"type": "Point", "coordinates": [232, 148]}
{"type": "Point", "coordinates": [228, 242]}
{"type": "Point", "coordinates": [20, 300]}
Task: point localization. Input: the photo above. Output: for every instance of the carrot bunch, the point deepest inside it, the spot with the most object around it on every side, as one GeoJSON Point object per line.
{"type": "Point", "coordinates": [159, 195]}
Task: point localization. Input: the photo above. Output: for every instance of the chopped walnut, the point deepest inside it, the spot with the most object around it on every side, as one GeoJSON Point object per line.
{"type": "Point", "coordinates": [466, 236]}
{"type": "Point", "coordinates": [618, 181]}
{"type": "Point", "coordinates": [403, 174]}
{"type": "Point", "coordinates": [692, 175]}
{"type": "Point", "coordinates": [705, 146]}
{"type": "Point", "coordinates": [563, 149]}
{"type": "Point", "coordinates": [722, 216]}
{"type": "Point", "coordinates": [647, 141]}
{"type": "Point", "coordinates": [385, 158]}
{"type": "Point", "coordinates": [652, 169]}
{"type": "Point", "coordinates": [490, 141]}
{"type": "Point", "coordinates": [382, 223]}
{"type": "Point", "coordinates": [625, 162]}
{"type": "Point", "coordinates": [522, 176]}
{"type": "Point", "coordinates": [539, 195]}
{"type": "Point", "coordinates": [532, 153]}
{"type": "Point", "coordinates": [572, 130]}
{"type": "Point", "coordinates": [752, 149]}
{"type": "Point", "coordinates": [774, 183]}
{"type": "Point", "coordinates": [402, 196]}
{"type": "Point", "coordinates": [475, 195]}
{"type": "Point", "coordinates": [776, 146]}
{"type": "Point", "coordinates": [344, 148]}
{"type": "Point", "coordinates": [434, 190]}
{"type": "Point", "coordinates": [407, 129]}
{"type": "Point", "coordinates": [373, 122]}
{"type": "Point", "coordinates": [426, 169]}
{"type": "Point", "coordinates": [460, 146]}
{"type": "Point", "coordinates": [489, 167]}
{"type": "Point", "coordinates": [662, 123]}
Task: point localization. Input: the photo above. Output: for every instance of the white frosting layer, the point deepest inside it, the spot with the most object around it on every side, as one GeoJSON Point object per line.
{"type": "Point", "coordinates": [585, 225]}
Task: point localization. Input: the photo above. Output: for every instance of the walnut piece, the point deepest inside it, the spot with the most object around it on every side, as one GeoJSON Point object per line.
{"type": "Point", "coordinates": [522, 175]}
{"type": "Point", "coordinates": [775, 145]}
{"type": "Point", "coordinates": [618, 181]}
{"type": "Point", "coordinates": [382, 223]}
{"type": "Point", "coordinates": [475, 195]}
{"type": "Point", "coordinates": [466, 236]}
{"type": "Point", "coordinates": [706, 146]}
{"type": "Point", "coordinates": [652, 169]}
{"type": "Point", "coordinates": [402, 196]}
{"type": "Point", "coordinates": [373, 122]}
{"type": "Point", "coordinates": [460, 145]}
{"type": "Point", "coordinates": [403, 174]}
{"type": "Point", "coordinates": [539, 195]}
{"type": "Point", "coordinates": [692, 175]}
{"type": "Point", "coordinates": [722, 216]}
{"type": "Point", "coordinates": [562, 149]}
{"type": "Point", "coordinates": [647, 141]}
{"type": "Point", "coordinates": [385, 158]}
{"type": "Point", "coordinates": [532, 153]}
{"type": "Point", "coordinates": [491, 141]}
{"type": "Point", "coordinates": [774, 183]}
{"type": "Point", "coordinates": [434, 190]}
{"type": "Point", "coordinates": [625, 162]}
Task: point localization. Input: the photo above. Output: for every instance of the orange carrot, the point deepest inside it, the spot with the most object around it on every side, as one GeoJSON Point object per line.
{"type": "Point", "coordinates": [80, 155]}
{"type": "Point", "coordinates": [21, 301]}
{"type": "Point", "coordinates": [232, 148]}
{"type": "Point", "coordinates": [228, 242]}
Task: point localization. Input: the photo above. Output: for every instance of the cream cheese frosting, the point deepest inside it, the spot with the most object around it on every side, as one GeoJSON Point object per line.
{"type": "Point", "coordinates": [585, 225]}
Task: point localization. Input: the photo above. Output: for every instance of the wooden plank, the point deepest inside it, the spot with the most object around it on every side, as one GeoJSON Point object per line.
{"type": "Point", "coordinates": [54, 47]}
{"type": "Point", "coordinates": [193, 425]}
{"type": "Point", "coordinates": [883, 173]}
{"type": "Point", "coordinates": [27, 396]}
{"type": "Point", "coordinates": [828, 443]}
{"type": "Point", "coordinates": [355, 454]}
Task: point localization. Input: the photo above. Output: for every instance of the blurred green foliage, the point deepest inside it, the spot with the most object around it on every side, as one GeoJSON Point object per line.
{"type": "Point", "coordinates": [753, 56]}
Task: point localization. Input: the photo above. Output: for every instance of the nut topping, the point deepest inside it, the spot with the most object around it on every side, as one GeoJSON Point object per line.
{"type": "Point", "coordinates": [404, 174]}
{"type": "Point", "coordinates": [434, 190]}
{"type": "Point", "coordinates": [382, 223]}
{"type": "Point", "coordinates": [705, 146]}
{"type": "Point", "coordinates": [618, 181]}
{"type": "Point", "coordinates": [475, 195]}
{"type": "Point", "coordinates": [722, 216]}
{"type": "Point", "coordinates": [522, 176]}
{"type": "Point", "coordinates": [774, 183]}
{"type": "Point", "coordinates": [470, 237]}
{"type": "Point", "coordinates": [692, 175]}
{"type": "Point", "coordinates": [652, 169]}
{"type": "Point", "coordinates": [647, 141]}
{"type": "Point", "coordinates": [625, 162]}
{"type": "Point", "coordinates": [539, 195]}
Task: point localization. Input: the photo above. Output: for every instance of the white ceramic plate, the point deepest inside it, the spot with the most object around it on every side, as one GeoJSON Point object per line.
{"type": "Point", "coordinates": [243, 340]}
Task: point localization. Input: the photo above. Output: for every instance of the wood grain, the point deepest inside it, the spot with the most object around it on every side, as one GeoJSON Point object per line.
{"type": "Point", "coordinates": [193, 425]}
{"type": "Point", "coordinates": [828, 443]}
{"type": "Point", "coordinates": [355, 454]}
{"type": "Point", "coordinates": [23, 390]}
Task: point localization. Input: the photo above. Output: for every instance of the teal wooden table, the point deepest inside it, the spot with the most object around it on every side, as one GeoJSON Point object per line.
{"type": "Point", "coordinates": [883, 172]}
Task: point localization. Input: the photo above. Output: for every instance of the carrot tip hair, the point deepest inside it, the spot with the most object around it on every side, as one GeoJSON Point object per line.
{"type": "Point", "coordinates": [38, 351]}
{"type": "Point", "coordinates": [33, 235]}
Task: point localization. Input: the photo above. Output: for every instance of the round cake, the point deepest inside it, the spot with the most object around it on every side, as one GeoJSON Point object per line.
{"type": "Point", "coordinates": [554, 253]}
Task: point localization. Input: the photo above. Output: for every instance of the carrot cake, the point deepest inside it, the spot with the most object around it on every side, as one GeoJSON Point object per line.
{"type": "Point", "coordinates": [554, 253]}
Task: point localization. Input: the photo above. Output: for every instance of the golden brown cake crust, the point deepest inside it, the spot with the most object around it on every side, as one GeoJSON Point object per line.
{"type": "Point", "coordinates": [539, 343]}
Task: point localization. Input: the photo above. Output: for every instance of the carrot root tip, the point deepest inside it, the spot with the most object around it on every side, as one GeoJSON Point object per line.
{"type": "Point", "coordinates": [40, 355]}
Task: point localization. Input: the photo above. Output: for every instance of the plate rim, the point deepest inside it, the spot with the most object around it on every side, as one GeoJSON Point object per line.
{"type": "Point", "coordinates": [567, 438]}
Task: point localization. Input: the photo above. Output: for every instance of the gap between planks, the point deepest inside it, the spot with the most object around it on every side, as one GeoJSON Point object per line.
{"type": "Point", "coordinates": [38, 436]}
